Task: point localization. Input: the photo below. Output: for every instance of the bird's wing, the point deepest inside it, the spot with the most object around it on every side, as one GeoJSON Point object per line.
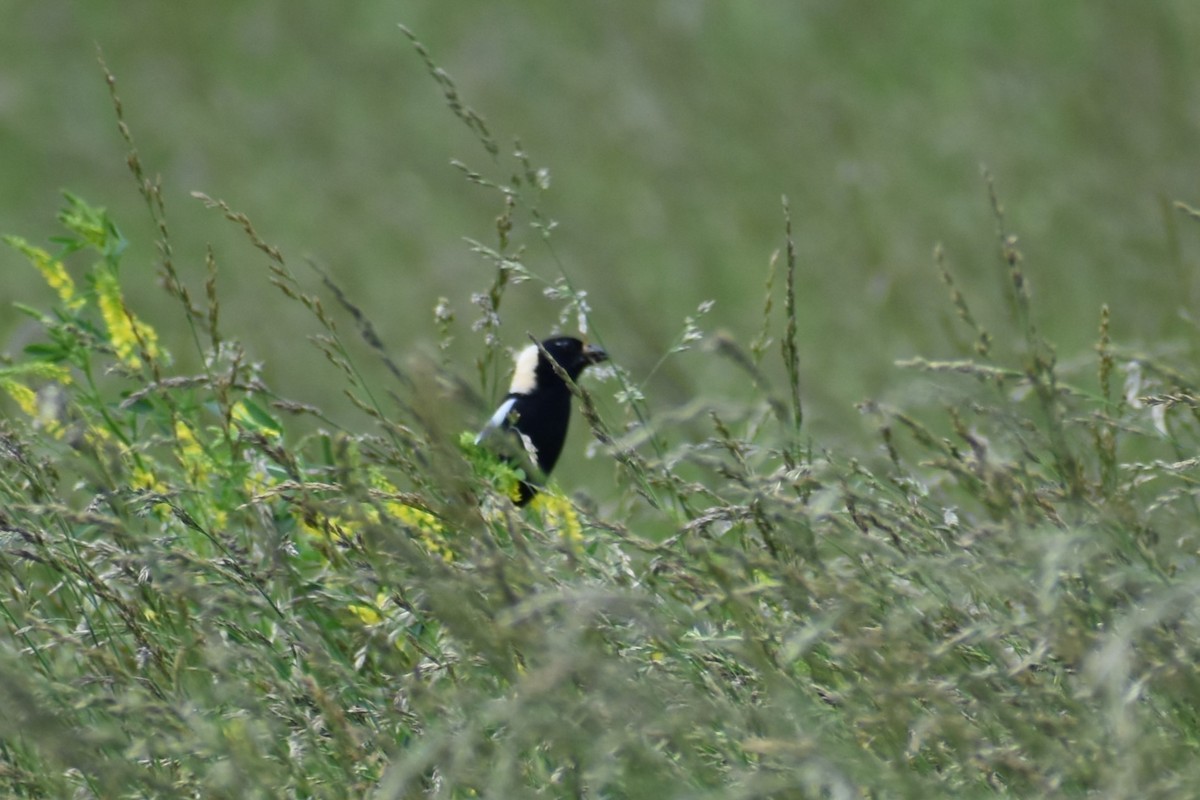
{"type": "Point", "coordinates": [498, 419]}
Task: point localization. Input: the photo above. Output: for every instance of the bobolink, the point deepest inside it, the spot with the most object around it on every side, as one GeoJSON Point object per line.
{"type": "Point", "coordinates": [538, 405]}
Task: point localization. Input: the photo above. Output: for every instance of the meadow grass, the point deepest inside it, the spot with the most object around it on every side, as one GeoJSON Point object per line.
{"type": "Point", "coordinates": [203, 598]}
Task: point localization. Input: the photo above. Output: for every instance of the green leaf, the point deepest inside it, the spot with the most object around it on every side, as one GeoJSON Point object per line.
{"type": "Point", "coordinates": [30, 311]}
{"type": "Point", "coordinates": [43, 351]}
{"type": "Point", "coordinates": [261, 418]}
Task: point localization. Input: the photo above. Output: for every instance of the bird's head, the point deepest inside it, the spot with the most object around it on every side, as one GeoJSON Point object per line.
{"type": "Point", "coordinates": [571, 354]}
{"type": "Point", "coordinates": [534, 368]}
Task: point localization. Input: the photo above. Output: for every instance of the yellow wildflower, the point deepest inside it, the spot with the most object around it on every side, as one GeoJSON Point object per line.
{"type": "Point", "coordinates": [42, 370]}
{"type": "Point", "coordinates": [143, 479]}
{"type": "Point", "coordinates": [24, 397]}
{"type": "Point", "coordinates": [429, 529]}
{"type": "Point", "coordinates": [559, 514]}
{"type": "Point", "coordinates": [320, 526]}
{"type": "Point", "coordinates": [96, 436]}
{"type": "Point", "coordinates": [371, 614]}
{"type": "Point", "coordinates": [191, 454]}
{"type": "Point", "coordinates": [46, 406]}
{"type": "Point", "coordinates": [127, 334]}
{"type": "Point", "coordinates": [53, 271]}
{"type": "Point", "coordinates": [366, 614]}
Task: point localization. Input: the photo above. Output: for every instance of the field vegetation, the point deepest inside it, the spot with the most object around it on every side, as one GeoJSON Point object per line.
{"type": "Point", "coordinates": [982, 581]}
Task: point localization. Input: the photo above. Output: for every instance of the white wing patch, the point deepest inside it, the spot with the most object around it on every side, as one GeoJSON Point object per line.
{"type": "Point", "coordinates": [525, 377]}
{"type": "Point", "coordinates": [497, 420]}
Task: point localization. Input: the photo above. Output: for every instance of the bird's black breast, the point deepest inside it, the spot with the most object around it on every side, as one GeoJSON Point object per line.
{"type": "Point", "coordinates": [543, 416]}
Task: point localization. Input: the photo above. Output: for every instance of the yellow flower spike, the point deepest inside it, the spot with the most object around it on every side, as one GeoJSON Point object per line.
{"type": "Point", "coordinates": [146, 481]}
{"type": "Point", "coordinates": [40, 370]}
{"type": "Point", "coordinates": [95, 436]}
{"type": "Point", "coordinates": [429, 529]}
{"type": "Point", "coordinates": [377, 480]}
{"type": "Point", "coordinates": [414, 517]}
{"type": "Point", "coordinates": [372, 614]}
{"type": "Point", "coordinates": [54, 272]}
{"type": "Point", "coordinates": [191, 454]}
{"type": "Point", "coordinates": [46, 407]}
{"type": "Point", "coordinates": [366, 614]}
{"type": "Point", "coordinates": [22, 395]}
{"type": "Point", "coordinates": [559, 514]}
{"type": "Point", "coordinates": [127, 334]}
{"type": "Point", "coordinates": [329, 529]}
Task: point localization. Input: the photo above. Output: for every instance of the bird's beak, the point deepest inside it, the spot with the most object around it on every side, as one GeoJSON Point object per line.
{"type": "Point", "coordinates": [593, 354]}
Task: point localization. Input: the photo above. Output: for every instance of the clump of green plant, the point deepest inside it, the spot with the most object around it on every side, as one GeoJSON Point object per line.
{"type": "Point", "coordinates": [200, 598]}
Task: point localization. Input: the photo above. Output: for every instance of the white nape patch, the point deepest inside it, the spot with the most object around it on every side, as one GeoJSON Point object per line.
{"type": "Point", "coordinates": [497, 419]}
{"type": "Point", "coordinates": [525, 378]}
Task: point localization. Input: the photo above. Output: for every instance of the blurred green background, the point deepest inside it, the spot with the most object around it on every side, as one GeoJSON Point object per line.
{"type": "Point", "coordinates": [670, 128]}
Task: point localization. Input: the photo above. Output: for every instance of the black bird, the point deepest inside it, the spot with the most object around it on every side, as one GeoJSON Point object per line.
{"type": "Point", "coordinates": [538, 406]}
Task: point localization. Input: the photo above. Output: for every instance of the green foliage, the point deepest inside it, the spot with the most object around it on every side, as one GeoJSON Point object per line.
{"type": "Point", "coordinates": [199, 597]}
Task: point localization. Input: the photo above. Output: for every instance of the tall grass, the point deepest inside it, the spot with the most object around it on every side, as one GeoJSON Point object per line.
{"type": "Point", "coordinates": [202, 599]}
